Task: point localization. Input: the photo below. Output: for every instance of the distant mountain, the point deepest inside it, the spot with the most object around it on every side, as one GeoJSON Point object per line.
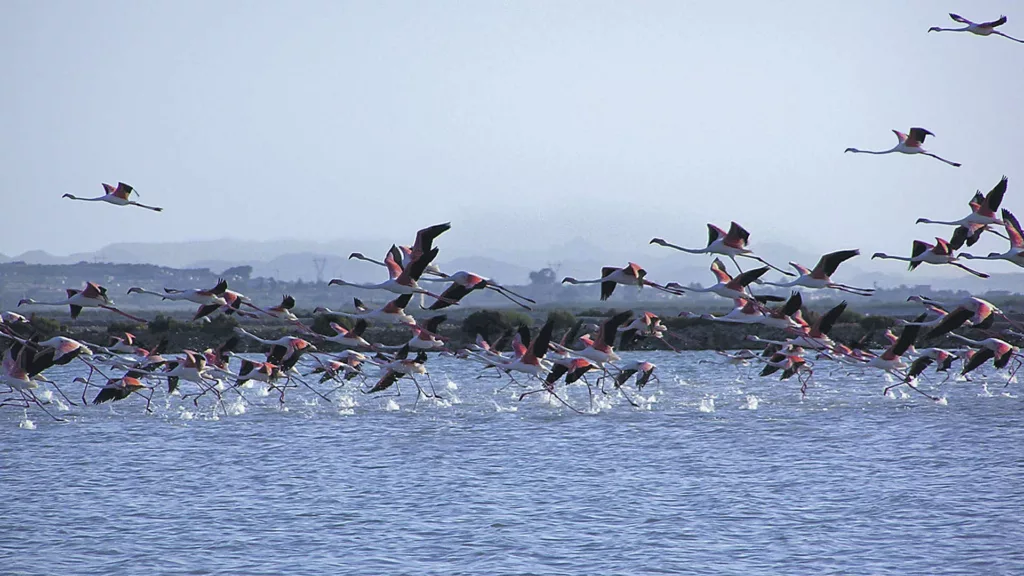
{"type": "Point", "coordinates": [295, 259]}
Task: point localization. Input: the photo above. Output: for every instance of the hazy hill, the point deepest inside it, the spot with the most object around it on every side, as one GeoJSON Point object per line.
{"type": "Point", "coordinates": [296, 259]}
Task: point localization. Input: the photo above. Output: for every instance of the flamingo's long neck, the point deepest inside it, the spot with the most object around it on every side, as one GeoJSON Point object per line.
{"type": "Point", "coordinates": [927, 221]}
{"type": "Point", "coordinates": [857, 151]}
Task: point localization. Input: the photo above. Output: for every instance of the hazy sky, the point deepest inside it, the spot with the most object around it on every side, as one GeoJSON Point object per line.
{"type": "Point", "coordinates": [521, 122]}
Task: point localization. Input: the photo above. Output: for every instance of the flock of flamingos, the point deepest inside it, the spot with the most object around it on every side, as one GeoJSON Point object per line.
{"type": "Point", "coordinates": [122, 367]}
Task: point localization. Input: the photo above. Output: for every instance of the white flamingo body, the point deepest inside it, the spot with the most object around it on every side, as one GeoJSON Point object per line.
{"type": "Point", "coordinates": [92, 296]}
{"type": "Point", "coordinates": [118, 196]}
{"type": "Point", "coordinates": [732, 244]}
{"type": "Point", "coordinates": [977, 28]}
{"type": "Point", "coordinates": [908, 144]}
{"type": "Point", "coordinates": [1015, 254]}
{"type": "Point", "coordinates": [925, 253]}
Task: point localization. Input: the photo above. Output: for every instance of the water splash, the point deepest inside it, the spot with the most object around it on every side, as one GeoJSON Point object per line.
{"type": "Point", "coordinates": [751, 403]}
{"type": "Point", "coordinates": [236, 408]}
{"type": "Point", "coordinates": [707, 405]}
{"type": "Point", "coordinates": [391, 405]}
{"type": "Point", "coordinates": [25, 423]}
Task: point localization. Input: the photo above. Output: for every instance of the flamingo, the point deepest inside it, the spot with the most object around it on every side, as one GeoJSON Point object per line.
{"type": "Point", "coordinates": [425, 337]}
{"type": "Point", "coordinates": [739, 358]}
{"type": "Point", "coordinates": [265, 372]}
{"type": "Point", "coordinates": [1015, 253]}
{"type": "Point", "coordinates": [944, 359]}
{"type": "Point", "coordinates": [727, 286]}
{"type": "Point", "coordinates": [983, 209]}
{"type": "Point", "coordinates": [746, 311]}
{"type": "Point", "coordinates": [284, 351]}
{"type": "Point", "coordinates": [923, 252]}
{"type": "Point", "coordinates": [406, 255]}
{"type": "Point", "coordinates": [334, 369]}
{"type": "Point", "coordinates": [643, 368]}
{"type": "Point", "coordinates": [731, 244]}
{"type": "Point", "coordinates": [531, 360]}
{"type": "Point", "coordinates": [120, 388]}
{"type": "Point", "coordinates": [400, 280]}
{"type": "Point", "coordinates": [820, 277]}
{"type": "Point", "coordinates": [980, 313]}
{"type": "Point", "coordinates": [792, 362]}
{"type": "Point", "coordinates": [891, 360]}
{"type": "Point", "coordinates": [599, 349]}
{"type": "Point", "coordinates": [646, 325]}
{"type": "Point", "coordinates": [814, 337]}
{"type": "Point", "coordinates": [630, 275]}
{"type": "Point", "coordinates": [989, 348]}
{"type": "Point", "coordinates": [785, 315]}
{"type": "Point", "coordinates": [212, 296]}
{"type": "Point", "coordinates": [118, 196]}
{"type": "Point", "coordinates": [15, 372]}
{"type": "Point", "coordinates": [979, 29]}
{"type": "Point", "coordinates": [391, 313]}
{"type": "Point", "coordinates": [92, 296]}
{"type": "Point", "coordinates": [349, 338]}
{"type": "Point", "coordinates": [908, 145]}
{"type": "Point", "coordinates": [233, 305]}
{"type": "Point", "coordinates": [284, 309]}
{"type": "Point", "coordinates": [940, 315]}
{"type": "Point", "coordinates": [465, 282]}
{"type": "Point", "coordinates": [401, 366]}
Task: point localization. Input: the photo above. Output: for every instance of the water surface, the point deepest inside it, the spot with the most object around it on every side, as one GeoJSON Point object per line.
{"type": "Point", "coordinates": [718, 472]}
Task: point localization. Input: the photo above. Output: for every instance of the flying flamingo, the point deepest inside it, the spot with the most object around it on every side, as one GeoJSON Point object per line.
{"type": "Point", "coordinates": [792, 362]}
{"type": "Point", "coordinates": [212, 296]}
{"type": "Point", "coordinates": [599, 349]}
{"type": "Point", "coordinates": [731, 244]}
{"type": "Point", "coordinates": [92, 296]}
{"type": "Point", "coordinates": [120, 388]}
{"type": "Point", "coordinates": [746, 311]}
{"type": "Point", "coordinates": [646, 325]}
{"type": "Point", "coordinates": [284, 309]}
{"type": "Point", "coordinates": [391, 313]}
{"type": "Point", "coordinates": [14, 372]}
{"type": "Point", "coordinates": [1015, 253]}
{"type": "Point", "coordinates": [629, 275]}
{"type": "Point", "coordinates": [908, 145]}
{"type": "Point", "coordinates": [401, 366]}
{"type": "Point", "coordinates": [925, 253]}
{"type": "Point", "coordinates": [943, 358]}
{"type": "Point", "coordinates": [643, 368]}
{"type": "Point", "coordinates": [348, 338]}
{"type": "Point", "coordinates": [983, 209]}
{"type": "Point", "coordinates": [785, 316]}
{"type": "Point", "coordinates": [400, 280]}
{"type": "Point", "coordinates": [988, 348]}
{"type": "Point", "coordinates": [814, 337]}
{"type": "Point", "coordinates": [940, 315]}
{"type": "Point", "coordinates": [465, 282]}
{"type": "Point", "coordinates": [284, 351]}
{"type": "Point", "coordinates": [727, 286]}
{"type": "Point", "coordinates": [891, 360]}
{"type": "Point", "coordinates": [116, 196]}
{"type": "Point", "coordinates": [980, 29]}
{"type": "Point", "coordinates": [406, 255]}
{"type": "Point", "coordinates": [821, 276]}
{"type": "Point", "coordinates": [980, 313]}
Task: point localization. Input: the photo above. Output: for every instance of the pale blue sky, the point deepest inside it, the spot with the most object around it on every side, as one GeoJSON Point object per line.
{"type": "Point", "coordinates": [524, 122]}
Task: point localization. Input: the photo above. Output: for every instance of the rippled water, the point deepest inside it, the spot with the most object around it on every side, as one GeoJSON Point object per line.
{"type": "Point", "coordinates": [716, 473]}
